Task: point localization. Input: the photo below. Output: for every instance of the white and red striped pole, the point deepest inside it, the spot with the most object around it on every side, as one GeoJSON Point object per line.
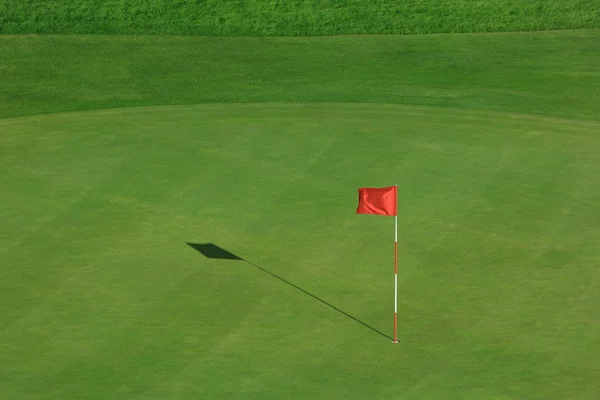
{"type": "Point", "coordinates": [396, 272]}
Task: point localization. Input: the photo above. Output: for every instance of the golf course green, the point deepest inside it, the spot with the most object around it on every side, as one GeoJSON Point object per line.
{"type": "Point", "coordinates": [124, 157]}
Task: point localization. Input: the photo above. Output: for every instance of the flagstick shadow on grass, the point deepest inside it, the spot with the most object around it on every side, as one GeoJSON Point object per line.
{"type": "Point", "coordinates": [210, 250]}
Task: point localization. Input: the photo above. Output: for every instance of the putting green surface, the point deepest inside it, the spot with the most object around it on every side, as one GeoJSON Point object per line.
{"type": "Point", "coordinates": [101, 297]}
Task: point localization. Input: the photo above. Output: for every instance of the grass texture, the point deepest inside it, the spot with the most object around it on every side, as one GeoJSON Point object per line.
{"type": "Point", "coordinates": [101, 297]}
{"type": "Point", "coordinates": [294, 17]}
{"type": "Point", "coordinates": [118, 151]}
{"type": "Point", "coordinates": [550, 73]}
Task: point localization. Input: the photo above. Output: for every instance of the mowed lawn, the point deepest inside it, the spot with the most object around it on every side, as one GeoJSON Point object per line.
{"type": "Point", "coordinates": [101, 297]}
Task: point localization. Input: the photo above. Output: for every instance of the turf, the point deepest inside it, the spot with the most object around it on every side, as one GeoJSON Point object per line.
{"type": "Point", "coordinates": [121, 156]}
{"type": "Point", "coordinates": [103, 299]}
{"type": "Point", "coordinates": [294, 17]}
{"type": "Point", "coordinates": [552, 73]}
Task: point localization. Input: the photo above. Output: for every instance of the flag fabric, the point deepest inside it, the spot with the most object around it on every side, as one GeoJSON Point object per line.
{"type": "Point", "coordinates": [379, 201]}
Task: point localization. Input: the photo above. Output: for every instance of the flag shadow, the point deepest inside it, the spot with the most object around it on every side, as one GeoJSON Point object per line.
{"type": "Point", "coordinates": [210, 250]}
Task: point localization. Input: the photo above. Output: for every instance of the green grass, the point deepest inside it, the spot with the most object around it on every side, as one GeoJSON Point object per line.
{"type": "Point", "coordinates": [554, 74]}
{"type": "Point", "coordinates": [294, 17]}
{"type": "Point", "coordinates": [102, 298]}
{"type": "Point", "coordinates": [258, 146]}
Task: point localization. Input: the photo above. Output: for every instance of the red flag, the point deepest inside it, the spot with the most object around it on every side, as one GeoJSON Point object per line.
{"type": "Point", "coordinates": [380, 201]}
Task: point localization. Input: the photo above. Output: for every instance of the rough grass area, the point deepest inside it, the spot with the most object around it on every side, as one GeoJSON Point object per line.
{"type": "Point", "coordinates": [294, 17]}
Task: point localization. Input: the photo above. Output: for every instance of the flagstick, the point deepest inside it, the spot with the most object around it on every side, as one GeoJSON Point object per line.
{"type": "Point", "coordinates": [396, 276]}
